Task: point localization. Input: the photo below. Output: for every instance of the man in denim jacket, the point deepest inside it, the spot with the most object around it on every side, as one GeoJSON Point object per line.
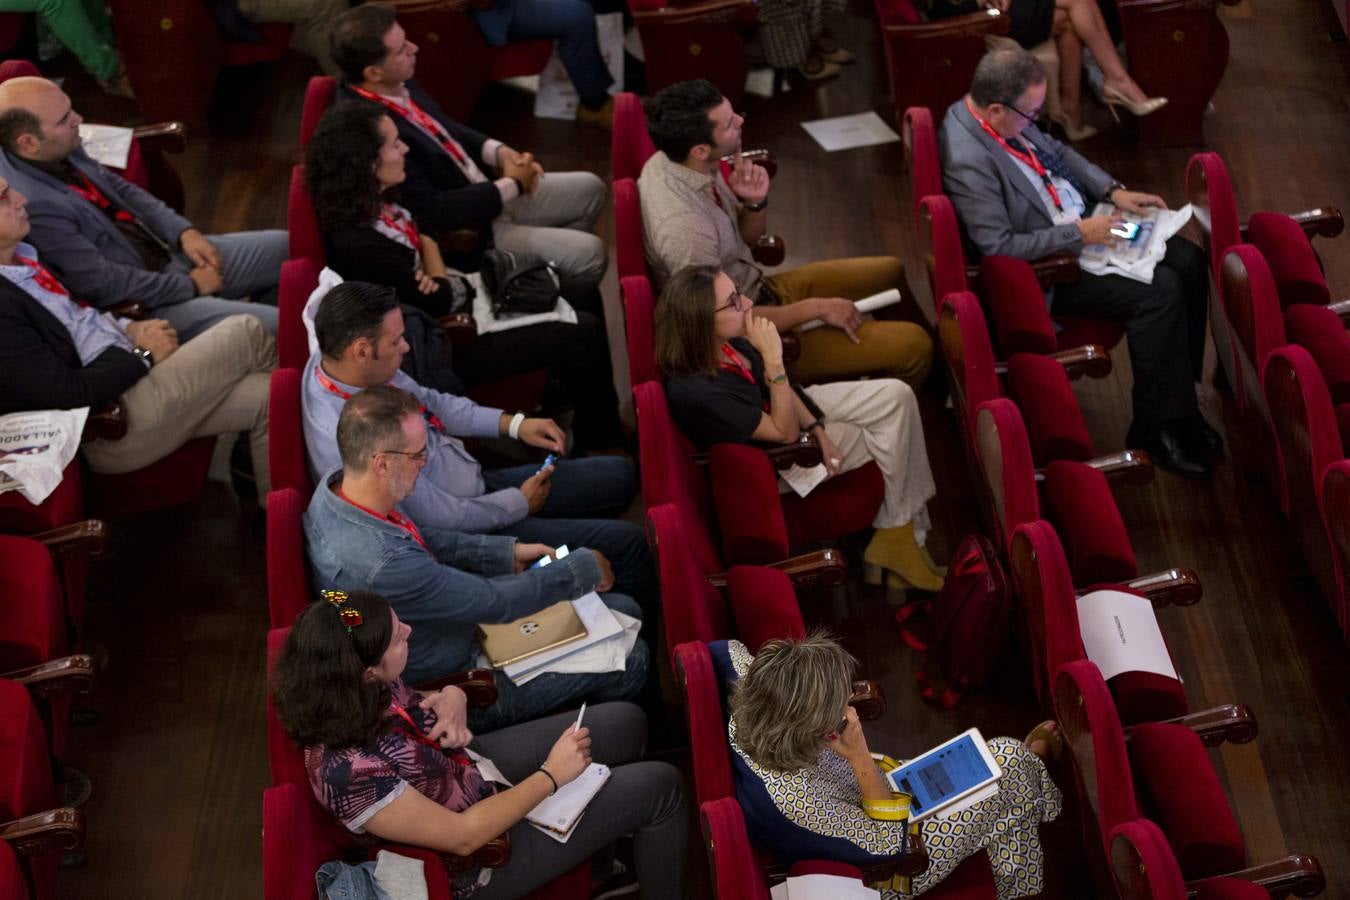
{"type": "Point", "coordinates": [444, 583]}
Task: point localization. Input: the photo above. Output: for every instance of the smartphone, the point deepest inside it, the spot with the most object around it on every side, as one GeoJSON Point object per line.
{"type": "Point", "coordinates": [542, 561]}
{"type": "Point", "coordinates": [1126, 230]}
{"type": "Point", "coordinates": [548, 461]}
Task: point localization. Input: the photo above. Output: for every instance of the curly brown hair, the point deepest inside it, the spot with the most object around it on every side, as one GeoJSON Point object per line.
{"type": "Point", "coordinates": [340, 166]}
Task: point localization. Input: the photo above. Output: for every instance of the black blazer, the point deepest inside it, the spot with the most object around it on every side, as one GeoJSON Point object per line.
{"type": "Point", "coordinates": [360, 253]}
{"type": "Point", "coordinates": [40, 368]}
{"type": "Point", "coordinates": [436, 191]}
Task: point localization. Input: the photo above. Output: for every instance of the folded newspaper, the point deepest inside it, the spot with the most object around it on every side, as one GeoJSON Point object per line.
{"type": "Point", "coordinates": [36, 447]}
{"type": "Point", "coordinates": [1135, 258]}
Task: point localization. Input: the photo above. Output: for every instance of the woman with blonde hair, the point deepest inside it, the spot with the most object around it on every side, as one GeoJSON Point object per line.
{"type": "Point", "coordinates": [811, 788]}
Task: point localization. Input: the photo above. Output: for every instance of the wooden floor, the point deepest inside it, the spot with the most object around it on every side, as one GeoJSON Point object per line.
{"type": "Point", "coordinates": [178, 758]}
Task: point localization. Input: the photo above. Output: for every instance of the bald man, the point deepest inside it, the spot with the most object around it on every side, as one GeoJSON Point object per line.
{"type": "Point", "coordinates": [110, 241]}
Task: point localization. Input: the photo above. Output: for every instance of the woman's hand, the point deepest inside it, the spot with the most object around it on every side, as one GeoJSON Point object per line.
{"type": "Point", "coordinates": [570, 756]}
{"type": "Point", "coordinates": [425, 283]}
{"type": "Point", "coordinates": [763, 336]}
{"type": "Point", "coordinates": [830, 454]}
{"type": "Point", "coordinates": [851, 743]}
{"type": "Point", "coordinates": [451, 707]}
{"type": "Point", "coordinates": [527, 554]}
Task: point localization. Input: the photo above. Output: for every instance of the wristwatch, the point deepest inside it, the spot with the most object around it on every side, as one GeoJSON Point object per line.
{"type": "Point", "coordinates": [755, 207]}
{"type": "Point", "coordinates": [144, 356]}
{"type": "Point", "coordinates": [1112, 188]}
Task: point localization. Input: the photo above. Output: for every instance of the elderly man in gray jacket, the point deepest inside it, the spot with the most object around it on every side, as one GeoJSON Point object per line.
{"type": "Point", "coordinates": [1019, 192]}
{"type": "Point", "coordinates": [110, 241]}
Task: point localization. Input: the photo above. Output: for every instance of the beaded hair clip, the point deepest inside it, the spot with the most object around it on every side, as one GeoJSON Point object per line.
{"type": "Point", "coordinates": [349, 616]}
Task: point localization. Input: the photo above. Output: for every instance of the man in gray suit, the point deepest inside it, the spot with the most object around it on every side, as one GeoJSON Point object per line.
{"type": "Point", "coordinates": [109, 241]}
{"type": "Point", "coordinates": [1021, 193]}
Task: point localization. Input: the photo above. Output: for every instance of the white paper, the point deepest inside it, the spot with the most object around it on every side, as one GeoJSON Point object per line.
{"type": "Point", "coordinates": [865, 306]}
{"type": "Point", "coordinates": [36, 447]}
{"type": "Point", "coordinates": [802, 480]}
{"type": "Point", "coordinates": [487, 323]}
{"type": "Point", "coordinates": [1137, 258]}
{"type": "Point", "coordinates": [608, 655]}
{"type": "Point", "coordinates": [847, 132]}
{"type": "Point", "coordinates": [109, 144]}
{"type": "Point", "coordinates": [1121, 634]}
{"type": "Point", "coordinates": [759, 83]}
{"type": "Point", "coordinates": [601, 622]}
{"type": "Point", "coordinates": [556, 97]}
{"type": "Point", "coordinates": [562, 811]}
{"type": "Point", "coordinates": [822, 887]}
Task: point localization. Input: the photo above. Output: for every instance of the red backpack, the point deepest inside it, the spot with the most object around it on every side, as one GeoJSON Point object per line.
{"type": "Point", "coordinates": [967, 622]}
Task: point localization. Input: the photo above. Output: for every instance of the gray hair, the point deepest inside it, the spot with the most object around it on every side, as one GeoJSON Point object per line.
{"type": "Point", "coordinates": [1003, 76]}
{"type": "Point", "coordinates": [791, 697]}
{"type": "Point", "coordinates": [370, 422]}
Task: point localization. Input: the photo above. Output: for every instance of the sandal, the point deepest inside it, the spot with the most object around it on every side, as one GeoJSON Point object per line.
{"type": "Point", "coordinates": [830, 50]}
{"type": "Point", "coordinates": [815, 68]}
{"type": "Point", "coordinates": [1052, 735]}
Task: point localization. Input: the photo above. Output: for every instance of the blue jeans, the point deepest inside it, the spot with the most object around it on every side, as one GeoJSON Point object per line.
{"type": "Point", "coordinates": [572, 24]}
{"type": "Point", "coordinates": [550, 692]}
{"type": "Point", "coordinates": [591, 488]}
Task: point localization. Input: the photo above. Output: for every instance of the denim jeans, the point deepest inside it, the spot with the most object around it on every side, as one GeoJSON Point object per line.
{"type": "Point", "coordinates": [550, 692]}
{"type": "Point", "coordinates": [592, 488]}
{"type": "Point", "coordinates": [572, 24]}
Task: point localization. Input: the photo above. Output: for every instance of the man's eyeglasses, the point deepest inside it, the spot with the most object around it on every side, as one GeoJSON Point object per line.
{"type": "Point", "coordinates": [414, 455]}
{"type": "Point", "coordinates": [736, 301]}
{"type": "Point", "coordinates": [1030, 118]}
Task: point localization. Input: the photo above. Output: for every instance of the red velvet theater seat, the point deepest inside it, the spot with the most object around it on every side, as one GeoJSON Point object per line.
{"type": "Point", "coordinates": [700, 39]}
{"type": "Point", "coordinates": [174, 480]}
{"type": "Point", "coordinates": [1015, 298]}
{"type": "Point", "coordinates": [13, 883]}
{"type": "Point", "coordinates": [918, 137]}
{"type": "Point", "coordinates": [1166, 775]}
{"type": "Point", "coordinates": [929, 64]}
{"type": "Point", "coordinates": [306, 241]}
{"type": "Point", "coordinates": [1256, 323]}
{"type": "Point", "coordinates": [1322, 333]}
{"type": "Point", "coordinates": [1144, 868]}
{"type": "Point", "coordinates": [639, 310]}
{"type": "Point", "coordinates": [320, 93]}
{"type": "Point", "coordinates": [628, 252]}
{"type": "Point", "coordinates": [299, 278]}
{"type": "Point", "coordinates": [286, 435]}
{"type": "Point", "coordinates": [630, 145]}
{"type": "Point", "coordinates": [1293, 262]}
{"type": "Point", "coordinates": [288, 586]}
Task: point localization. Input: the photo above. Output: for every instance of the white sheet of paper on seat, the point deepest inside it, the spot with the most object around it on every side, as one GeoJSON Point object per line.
{"type": "Point", "coordinates": [822, 887]}
{"type": "Point", "coordinates": [109, 144]}
{"type": "Point", "coordinates": [1121, 634]}
{"type": "Point", "coordinates": [609, 655]}
{"type": "Point", "coordinates": [557, 816]}
{"type": "Point", "coordinates": [804, 480]}
{"type": "Point", "coordinates": [865, 305]}
{"type": "Point", "coordinates": [600, 624]}
{"type": "Point", "coordinates": [847, 132]}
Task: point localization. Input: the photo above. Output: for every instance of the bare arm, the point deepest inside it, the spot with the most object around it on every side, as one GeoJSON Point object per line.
{"type": "Point", "coordinates": [780, 423]}
{"type": "Point", "coordinates": [789, 316]}
{"type": "Point", "coordinates": [422, 822]}
{"type": "Point", "coordinates": [433, 263]}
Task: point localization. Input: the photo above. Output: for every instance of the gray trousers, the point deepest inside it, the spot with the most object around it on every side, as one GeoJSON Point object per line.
{"type": "Point", "coordinates": [313, 19]}
{"type": "Point", "coordinates": [644, 799]}
{"type": "Point", "coordinates": [556, 222]}
{"type": "Point", "coordinates": [252, 266]}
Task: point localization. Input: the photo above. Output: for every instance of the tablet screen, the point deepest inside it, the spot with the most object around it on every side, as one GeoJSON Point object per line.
{"type": "Point", "coordinates": [938, 777]}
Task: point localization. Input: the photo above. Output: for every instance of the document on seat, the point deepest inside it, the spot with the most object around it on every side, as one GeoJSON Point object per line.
{"type": "Point", "coordinates": [1121, 634]}
{"type": "Point", "coordinates": [1135, 258]}
{"type": "Point", "coordinates": [865, 306]}
{"type": "Point", "coordinates": [822, 887]}
{"type": "Point", "coordinates": [557, 816]}
{"type": "Point", "coordinates": [602, 624]}
{"type": "Point", "coordinates": [109, 144]}
{"type": "Point", "coordinates": [847, 132]}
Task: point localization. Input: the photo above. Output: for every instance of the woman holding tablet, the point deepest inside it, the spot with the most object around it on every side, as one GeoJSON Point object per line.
{"type": "Point", "coordinates": [810, 787]}
{"type": "Point", "coordinates": [387, 761]}
{"type": "Point", "coordinates": [726, 383]}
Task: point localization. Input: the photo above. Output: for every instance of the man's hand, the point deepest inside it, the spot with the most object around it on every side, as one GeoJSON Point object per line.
{"type": "Point", "coordinates": [606, 571]}
{"type": "Point", "coordinates": [207, 279]}
{"type": "Point", "coordinates": [451, 707]}
{"type": "Point", "coordinates": [520, 166]}
{"type": "Point", "coordinates": [842, 314]}
{"type": "Point", "coordinates": [201, 251]}
{"type": "Point", "coordinates": [748, 181]}
{"type": "Point", "coordinates": [155, 335]}
{"type": "Point", "coordinates": [543, 433]}
{"type": "Point", "coordinates": [527, 554]}
{"type": "Point", "coordinates": [830, 454]}
{"type": "Point", "coordinates": [1136, 201]}
{"type": "Point", "coordinates": [1097, 229]}
{"type": "Point", "coordinates": [536, 488]}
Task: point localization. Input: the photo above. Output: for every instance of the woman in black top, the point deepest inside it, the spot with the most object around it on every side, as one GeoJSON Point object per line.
{"type": "Point", "coordinates": [726, 382]}
{"type": "Point", "coordinates": [353, 165]}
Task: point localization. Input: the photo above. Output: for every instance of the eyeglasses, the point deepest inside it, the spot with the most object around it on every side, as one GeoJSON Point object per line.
{"type": "Point", "coordinates": [1030, 118]}
{"type": "Point", "coordinates": [414, 455]}
{"type": "Point", "coordinates": [736, 301]}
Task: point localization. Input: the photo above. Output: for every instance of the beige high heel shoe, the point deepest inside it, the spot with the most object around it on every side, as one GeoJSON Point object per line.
{"type": "Point", "coordinates": [1113, 98]}
{"type": "Point", "coordinates": [1072, 132]}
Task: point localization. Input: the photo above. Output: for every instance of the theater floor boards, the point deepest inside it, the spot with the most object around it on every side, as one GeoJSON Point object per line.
{"type": "Point", "coordinates": [178, 759]}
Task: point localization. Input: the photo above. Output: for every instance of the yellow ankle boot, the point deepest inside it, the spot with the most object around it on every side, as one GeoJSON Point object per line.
{"type": "Point", "coordinates": [895, 549]}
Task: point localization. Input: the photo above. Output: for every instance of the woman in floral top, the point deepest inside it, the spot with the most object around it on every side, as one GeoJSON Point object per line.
{"type": "Point", "coordinates": [393, 764]}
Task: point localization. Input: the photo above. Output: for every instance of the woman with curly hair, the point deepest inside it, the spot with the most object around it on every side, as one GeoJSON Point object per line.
{"type": "Point", "coordinates": [392, 763]}
{"type": "Point", "coordinates": [354, 165]}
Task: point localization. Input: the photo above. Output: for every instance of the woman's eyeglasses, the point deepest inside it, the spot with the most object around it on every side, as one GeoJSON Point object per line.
{"type": "Point", "coordinates": [735, 301]}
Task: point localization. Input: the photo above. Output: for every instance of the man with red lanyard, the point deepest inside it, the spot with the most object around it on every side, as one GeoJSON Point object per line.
{"type": "Point", "coordinates": [1019, 192]}
{"type": "Point", "coordinates": [109, 241]}
{"type": "Point", "coordinates": [448, 186]}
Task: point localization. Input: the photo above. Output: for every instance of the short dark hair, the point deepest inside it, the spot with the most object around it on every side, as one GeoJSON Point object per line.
{"type": "Point", "coordinates": [352, 310]}
{"type": "Point", "coordinates": [370, 421]}
{"type": "Point", "coordinates": [357, 39]}
{"type": "Point", "coordinates": [1003, 76]}
{"type": "Point", "coordinates": [685, 339]}
{"type": "Point", "coordinates": [14, 124]}
{"type": "Point", "coordinates": [319, 688]}
{"type": "Point", "coordinates": [340, 166]}
{"type": "Point", "coordinates": [677, 117]}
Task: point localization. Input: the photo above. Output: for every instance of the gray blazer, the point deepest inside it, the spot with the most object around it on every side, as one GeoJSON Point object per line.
{"type": "Point", "coordinates": [90, 255]}
{"type": "Point", "coordinates": [1000, 209]}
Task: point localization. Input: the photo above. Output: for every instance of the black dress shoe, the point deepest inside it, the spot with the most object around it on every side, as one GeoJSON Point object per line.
{"type": "Point", "coordinates": [1208, 436]}
{"type": "Point", "coordinates": [1173, 447]}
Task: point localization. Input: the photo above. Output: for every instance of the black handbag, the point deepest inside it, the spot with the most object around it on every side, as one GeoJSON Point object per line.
{"type": "Point", "coordinates": [519, 284]}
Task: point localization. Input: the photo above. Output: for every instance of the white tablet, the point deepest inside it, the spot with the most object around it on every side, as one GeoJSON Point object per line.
{"type": "Point", "coordinates": [947, 776]}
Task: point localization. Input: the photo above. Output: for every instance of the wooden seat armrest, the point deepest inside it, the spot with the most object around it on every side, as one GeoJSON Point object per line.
{"type": "Point", "coordinates": [765, 159]}
{"type": "Point", "coordinates": [492, 855]}
{"type": "Point", "coordinates": [708, 12]}
{"type": "Point", "coordinates": [1176, 586]}
{"type": "Point", "coordinates": [868, 699]}
{"type": "Point", "coordinates": [50, 679]}
{"type": "Point", "coordinates": [478, 684]}
{"type": "Point", "coordinates": [86, 539]}
{"type": "Point", "coordinates": [827, 568]}
{"type": "Point", "coordinates": [1231, 722]}
{"type": "Point", "coordinates": [107, 422]}
{"type": "Point", "coordinates": [459, 240]}
{"type": "Point", "coordinates": [53, 831]}
{"type": "Point", "coordinates": [166, 137]}
{"type": "Point", "coordinates": [1341, 308]}
{"type": "Point", "coordinates": [1091, 360]}
{"type": "Point", "coordinates": [1125, 467]}
{"type": "Point", "coordinates": [792, 347]}
{"type": "Point", "coordinates": [1324, 221]}
{"type": "Point", "coordinates": [804, 452]}
{"type": "Point", "coordinates": [769, 251]}
{"type": "Point", "coordinates": [986, 21]}
{"type": "Point", "coordinates": [1297, 875]}
{"type": "Point", "coordinates": [460, 328]}
{"type": "Point", "coordinates": [910, 861]}
{"type": "Point", "coordinates": [130, 309]}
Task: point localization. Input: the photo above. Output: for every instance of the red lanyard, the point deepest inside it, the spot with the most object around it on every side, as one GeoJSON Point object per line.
{"type": "Point", "coordinates": [1029, 157]}
{"type": "Point", "coordinates": [432, 419]}
{"type": "Point", "coordinates": [395, 517]}
{"type": "Point", "coordinates": [419, 117]}
{"type": "Point", "coordinates": [400, 222]}
{"type": "Point", "coordinates": [734, 365]}
{"type": "Point", "coordinates": [416, 733]}
{"type": "Point", "coordinates": [45, 279]}
{"type": "Point", "coordinates": [89, 191]}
